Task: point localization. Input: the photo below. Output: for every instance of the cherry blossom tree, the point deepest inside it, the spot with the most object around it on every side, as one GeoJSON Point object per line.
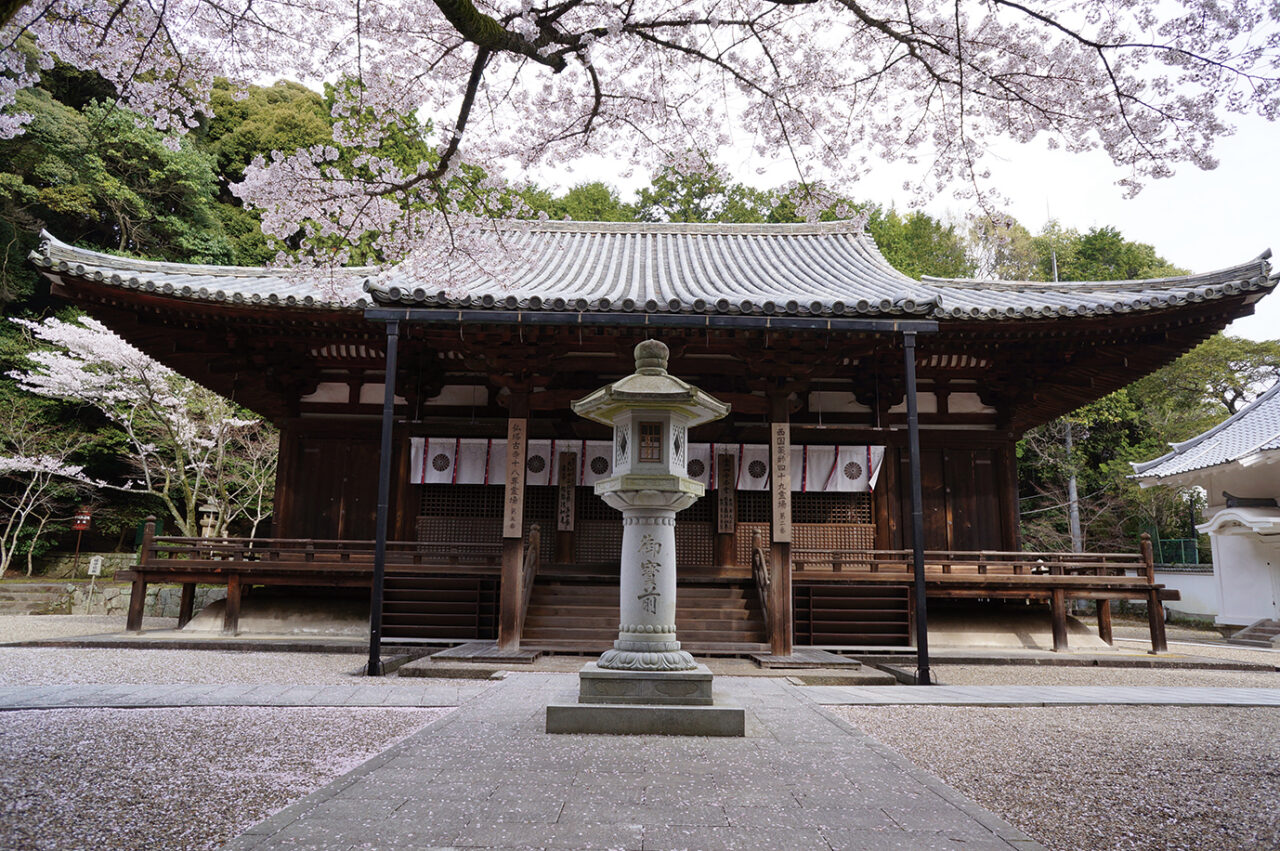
{"type": "Point", "coordinates": [833, 87]}
{"type": "Point", "coordinates": [38, 479]}
{"type": "Point", "coordinates": [187, 445]}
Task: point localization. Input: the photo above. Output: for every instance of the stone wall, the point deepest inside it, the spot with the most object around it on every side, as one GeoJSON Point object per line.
{"type": "Point", "coordinates": [63, 565]}
{"type": "Point", "coordinates": [112, 598]}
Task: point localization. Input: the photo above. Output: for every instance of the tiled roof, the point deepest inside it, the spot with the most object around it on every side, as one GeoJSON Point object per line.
{"type": "Point", "coordinates": [1243, 437]}
{"type": "Point", "coordinates": [823, 269]}
{"type": "Point", "coordinates": [233, 284]}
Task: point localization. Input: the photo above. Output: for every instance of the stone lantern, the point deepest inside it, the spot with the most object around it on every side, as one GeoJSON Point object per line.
{"type": "Point", "coordinates": [650, 412]}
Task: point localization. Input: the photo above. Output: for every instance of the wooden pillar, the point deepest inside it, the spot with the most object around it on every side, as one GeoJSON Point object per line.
{"type": "Point", "coordinates": [1104, 620]}
{"type": "Point", "coordinates": [1006, 463]}
{"type": "Point", "coordinates": [137, 600]}
{"type": "Point", "coordinates": [1155, 610]}
{"type": "Point", "coordinates": [512, 589]}
{"type": "Point", "coordinates": [231, 617]}
{"type": "Point", "coordinates": [781, 615]}
{"type": "Point", "coordinates": [138, 594]}
{"type": "Point", "coordinates": [1058, 608]}
{"type": "Point", "coordinates": [186, 604]}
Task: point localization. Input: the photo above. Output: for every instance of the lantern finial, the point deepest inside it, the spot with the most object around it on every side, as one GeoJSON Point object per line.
{"type": "Point", "coordinates": [651, 357]}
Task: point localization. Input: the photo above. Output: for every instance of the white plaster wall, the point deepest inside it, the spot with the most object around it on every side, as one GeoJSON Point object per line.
{"type": "Point", "coordinates": [1248, 571]}
{"type": "Point", "coordinates": [1200, 592]}
{"type": "Point", "coordinates": [1262, 480]}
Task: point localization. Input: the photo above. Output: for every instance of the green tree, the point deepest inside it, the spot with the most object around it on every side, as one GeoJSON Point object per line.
{"type": "Point", "coordinates": [1100, 254]}
{"type": "Point", "coordinates": [918, 244]}
{"type": "Point", "coordinates": [703, 196]}
{"type": "Point", "coordinates": [1128, 425]}
{"type": "Point", "coordinates": [585, 202]}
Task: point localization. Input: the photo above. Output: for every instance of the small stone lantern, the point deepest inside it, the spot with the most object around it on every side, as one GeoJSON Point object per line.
{"type": "Point", "coordinates": [651, 413]}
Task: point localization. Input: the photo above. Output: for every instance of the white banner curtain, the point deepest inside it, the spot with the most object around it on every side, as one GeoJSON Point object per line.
{"type": "Point", "coordinates": [478, 461]}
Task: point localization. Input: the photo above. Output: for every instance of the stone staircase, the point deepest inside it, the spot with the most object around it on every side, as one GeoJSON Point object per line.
{"type": "Point", "coordinates": [33, 598]}
{"type": "Point", "coordinates": [1263, 633]}
{"type": "Point", "coordinates": [712, 618]}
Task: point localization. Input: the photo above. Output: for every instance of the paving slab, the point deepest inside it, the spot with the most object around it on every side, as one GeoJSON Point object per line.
{"type": "Point", "coordinates": [488, 776]}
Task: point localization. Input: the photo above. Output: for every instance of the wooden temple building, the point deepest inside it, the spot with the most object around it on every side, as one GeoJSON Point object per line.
{"type": "Point", "coordinates": [804, 536]}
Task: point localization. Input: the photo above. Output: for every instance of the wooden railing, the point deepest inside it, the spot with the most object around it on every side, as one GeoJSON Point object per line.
{"type": "Point", "coordinates": [529, 571]}
{"type": "Point", "coordinates": [760, 572]}
{"type": "Point", "coordinates": [270, 552]}
{"type": "Point", "coordinates": [978, 562]}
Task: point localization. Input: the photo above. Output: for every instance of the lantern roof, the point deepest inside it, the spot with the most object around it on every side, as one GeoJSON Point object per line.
{"type": "Point", "coordinates": [650, 387]}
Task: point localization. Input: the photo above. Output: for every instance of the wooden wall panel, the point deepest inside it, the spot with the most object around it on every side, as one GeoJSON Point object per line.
{"type": "Point", "coordinates": [962, 500]}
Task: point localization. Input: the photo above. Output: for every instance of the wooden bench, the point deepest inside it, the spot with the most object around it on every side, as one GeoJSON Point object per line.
{"type": "Point", "coordinates": [1047, 577]}
{"type": "Point", "coordinates": [242, 562]}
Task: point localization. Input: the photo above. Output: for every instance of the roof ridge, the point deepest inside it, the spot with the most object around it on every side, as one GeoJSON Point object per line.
{"type": "Point", "coordinates": [839, 226]}
{"type": "Point", "coordinates": [1228, 273]}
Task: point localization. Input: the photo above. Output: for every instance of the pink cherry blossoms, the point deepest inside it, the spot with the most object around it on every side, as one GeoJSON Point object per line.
{"type": "Point", "coordinates": [832, 87]}
{"type": "Point", "coordinates": [187, 445]}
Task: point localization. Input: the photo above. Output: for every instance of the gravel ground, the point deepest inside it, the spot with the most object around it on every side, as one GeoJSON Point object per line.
{"type": "Point", "coordinates": [23, 666]}
{"type": "Point", "coordinates": [1045, 675]}
{"type": "Point", "coordinates": [174, 779]}
{"type": "Point", "coordinates": [37, 627]}
{"type": "Point", "coordinates": [1198, 779]}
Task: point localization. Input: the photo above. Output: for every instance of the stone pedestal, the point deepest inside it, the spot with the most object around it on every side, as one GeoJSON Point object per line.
{"type": "Point", "coordinates": [682, 688]}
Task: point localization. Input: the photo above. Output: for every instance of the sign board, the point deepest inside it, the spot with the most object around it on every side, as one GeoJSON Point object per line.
{"type": "Point", "coordinates": [81, 521]}
{"type": "Point", "coordinates": [513, 497]}
{"type": "Point", "coordinates": [780, 456]}
{"type": "Point", "coordinates": [95, 566]}
{"type": "Point", "coordinates": [566, 492]}
{"type": "Point", "coordinates": [726, 495]}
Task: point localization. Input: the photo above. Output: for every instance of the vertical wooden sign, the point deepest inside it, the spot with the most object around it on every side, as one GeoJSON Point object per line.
{"type": "Point", "coordinates": [513, 497]}
{"type": "Point", "coordinates": [780, 455]}
{"type": "Point", "coordinates": [726, 495]}
{"type": "Point", "coordinates": [566, 491]}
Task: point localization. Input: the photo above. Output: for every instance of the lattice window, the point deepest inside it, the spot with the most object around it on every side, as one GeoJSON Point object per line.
{"type": "Point", "coordinates": [831, 508]}
{"type": "Point", "coordinates": [754, 507]}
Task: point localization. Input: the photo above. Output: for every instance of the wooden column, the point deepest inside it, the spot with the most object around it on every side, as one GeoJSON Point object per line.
{"type": "Point", "coordinates": [186, 604]}
{"type": "Point", "coordinates": [231, 617]}
{"type": "Point", "coordinates": [1006, 463]}
{"type": "Point", "coordinates": [781, 615]}
{"type": "Point", "coordinates": [1058, 609]}
{"type": "Point", "coordinates": [1104, 620]}
{"type": "Point", "coordinates": [512, 590]}
{"type": "Point", "coordinates": [138, 594]}
{"type": "Point", "coordinates": [1155, 610]}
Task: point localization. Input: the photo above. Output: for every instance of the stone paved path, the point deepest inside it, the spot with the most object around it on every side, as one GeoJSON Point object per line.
{"type": "Point", "coordinates": [487, 776]}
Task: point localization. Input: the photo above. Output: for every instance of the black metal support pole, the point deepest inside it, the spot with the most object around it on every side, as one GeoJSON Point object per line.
{"type": "Point", "coordinates": [917, 512]}
{"type": "Point", "coordinates": [374, 667]}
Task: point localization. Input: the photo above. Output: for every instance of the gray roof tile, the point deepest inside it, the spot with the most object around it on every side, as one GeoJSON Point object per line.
{"type": "Point", "coordinates": [828, 269]}
{"type": "Point", "coordinates": [1246, 433]}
